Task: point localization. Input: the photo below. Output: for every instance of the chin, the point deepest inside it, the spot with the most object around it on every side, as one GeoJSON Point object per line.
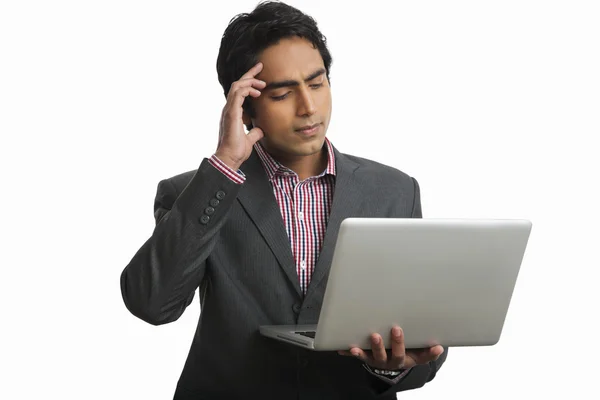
{"type": "Point", "coordinates": [301, 148]}
{"type": "Point", "coordinates": [313, 146]}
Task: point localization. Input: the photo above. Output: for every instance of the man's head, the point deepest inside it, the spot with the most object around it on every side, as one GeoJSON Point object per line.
{"type": "Point", "coordinates": [296, 64]}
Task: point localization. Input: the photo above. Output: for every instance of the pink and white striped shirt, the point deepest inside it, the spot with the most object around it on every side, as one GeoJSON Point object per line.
{"type": "Point", "coordinates": [305, 206]}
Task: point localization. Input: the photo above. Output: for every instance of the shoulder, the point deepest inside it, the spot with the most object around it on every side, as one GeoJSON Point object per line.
{"type": "Point", "coordinates": [384, 190]}
{"type": "Point", "coordinates": [378, 173]}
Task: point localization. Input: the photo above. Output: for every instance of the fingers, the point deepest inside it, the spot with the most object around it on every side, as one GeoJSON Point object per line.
{"type": "Point", "coordinates": [241, 89]}
{"type": "Point", "coordinates": [399, 357]}
{"type": "Point", "coordinates": [353, 352]}
{"type": "Point", "coordinates": [244, 83]}
{"type": "Point", "coordinates": [398, 353]}
{"type": "Point", "coordinates": [377, 356]}
{"type": "Point", "coordinates": [435, 352]}
{"type": "Point", "coordinates": [423, 356]}
{"type": "Point", "coordinates": [247, 80]}
{"type": "Point", "coordinates": [378, 349]}
{"type": "Point", "coordinates": [357, 353]}
{"type": "Point", "coordinates": [252, 72]}
{"type": "Point", "coordinates": [246, 86]}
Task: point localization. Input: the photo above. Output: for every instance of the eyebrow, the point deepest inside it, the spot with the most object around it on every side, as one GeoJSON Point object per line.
{"type": "Point", "coordinates": [290, 82]}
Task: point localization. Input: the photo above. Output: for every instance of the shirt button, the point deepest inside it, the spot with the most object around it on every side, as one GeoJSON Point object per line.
{"type": "Point", "coordinates": [300, 215]}
{"type": "Point", "coordinates": [303, 265]}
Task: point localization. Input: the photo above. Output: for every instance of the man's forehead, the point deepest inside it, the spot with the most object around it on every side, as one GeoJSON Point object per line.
{"type": "Point", "coordinates": [299, 73]}
{"type": "Point", "coordinates": [292, 58]}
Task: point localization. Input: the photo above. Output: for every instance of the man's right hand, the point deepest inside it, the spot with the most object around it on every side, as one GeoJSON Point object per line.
{"type": "Point", "coordinates": [235, 146]}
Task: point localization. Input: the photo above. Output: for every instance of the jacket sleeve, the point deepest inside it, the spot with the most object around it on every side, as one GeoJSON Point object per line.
{"type": "Point", "coordinates": [160, 280]}
{"type": "Point", "coordinates": [417, 377]}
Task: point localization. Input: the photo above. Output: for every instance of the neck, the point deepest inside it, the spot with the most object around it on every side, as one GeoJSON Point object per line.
{"type": "Point", "coordinates": [305, 166]}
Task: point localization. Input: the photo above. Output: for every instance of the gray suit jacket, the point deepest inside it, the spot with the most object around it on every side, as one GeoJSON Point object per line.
{"type": "Point", "coordinates": [239, 255]}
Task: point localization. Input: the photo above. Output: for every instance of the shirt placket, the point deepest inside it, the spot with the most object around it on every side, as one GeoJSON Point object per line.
{"type": "Point", "coordinates": [300, 228]}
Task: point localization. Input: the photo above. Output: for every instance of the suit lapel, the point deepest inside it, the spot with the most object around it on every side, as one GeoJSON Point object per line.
{"type": "Point", "coordinates": [256, 197]}
{"type": "Point", "coordinates": [346, 202]}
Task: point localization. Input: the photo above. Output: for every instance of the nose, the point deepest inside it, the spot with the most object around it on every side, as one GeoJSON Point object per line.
{"type": "Point", "coordinates": [306, 105]}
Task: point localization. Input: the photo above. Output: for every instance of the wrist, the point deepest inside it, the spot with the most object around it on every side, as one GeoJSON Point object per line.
{"type": "Point", "coordinates": [384, 372]}
{"type": "Point", "coordinates": [230, 162]}
{"type": "Point", "coordinates": [387, 372]}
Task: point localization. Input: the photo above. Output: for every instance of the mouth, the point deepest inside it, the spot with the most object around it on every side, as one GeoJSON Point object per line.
{"type": "Point", "coordinates": [309, 129]}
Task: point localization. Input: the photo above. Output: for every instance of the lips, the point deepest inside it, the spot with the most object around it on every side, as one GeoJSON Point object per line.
{"type": "Point", "coordinates": [308, 128]}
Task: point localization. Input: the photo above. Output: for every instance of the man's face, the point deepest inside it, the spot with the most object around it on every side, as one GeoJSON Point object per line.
{"type": "Point", "coordinates": [297, 95]}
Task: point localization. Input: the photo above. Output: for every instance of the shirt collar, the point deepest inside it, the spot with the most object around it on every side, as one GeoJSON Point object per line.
{"type": "Point", "coordinates": [273, 167]}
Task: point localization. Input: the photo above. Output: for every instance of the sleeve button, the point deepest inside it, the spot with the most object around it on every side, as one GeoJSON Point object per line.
{"type": "Point", "coordinates": [220, 195]}
{"type": "Point", "coordinates": [204, 219]}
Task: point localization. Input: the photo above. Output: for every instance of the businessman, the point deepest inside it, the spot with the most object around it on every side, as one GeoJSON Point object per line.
{"type": "Point", "coordinates": [255, 225]}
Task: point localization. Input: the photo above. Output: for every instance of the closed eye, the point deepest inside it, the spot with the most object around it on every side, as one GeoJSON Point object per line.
{"type": "Point", "coordinates": [283, 96]}
{"type": "Point", "coordinates": [278, 98]}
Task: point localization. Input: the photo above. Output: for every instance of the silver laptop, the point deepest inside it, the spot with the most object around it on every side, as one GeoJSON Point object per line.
{"type": "Point", "coordinates": [444, 281]}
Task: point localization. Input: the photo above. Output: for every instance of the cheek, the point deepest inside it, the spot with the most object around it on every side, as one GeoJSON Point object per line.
{"type": "Point", "coordinates": [272, 117]}
{"type": "Point", "coordinates": [324, 95]}
{"type": "Point", "coordinates": [324, 102]}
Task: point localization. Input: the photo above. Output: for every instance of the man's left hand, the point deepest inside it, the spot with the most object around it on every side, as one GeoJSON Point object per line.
{"type": "Point", "coordinates": [398, 357]}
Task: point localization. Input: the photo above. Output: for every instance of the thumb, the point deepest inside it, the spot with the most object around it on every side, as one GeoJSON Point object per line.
{"type": "Point", "coordinates": [254, 135]}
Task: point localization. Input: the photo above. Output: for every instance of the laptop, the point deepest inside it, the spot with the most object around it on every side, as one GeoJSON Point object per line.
{"type": "Point", "coordinates": [444, 281]}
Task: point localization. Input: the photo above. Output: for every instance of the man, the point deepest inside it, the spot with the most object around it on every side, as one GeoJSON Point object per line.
{"type": "Point", "coordinates": [255, 225]}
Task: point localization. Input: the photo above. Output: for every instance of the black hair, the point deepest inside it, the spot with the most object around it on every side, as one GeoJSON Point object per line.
{"type": "Point", "coordinates": [247, 35]}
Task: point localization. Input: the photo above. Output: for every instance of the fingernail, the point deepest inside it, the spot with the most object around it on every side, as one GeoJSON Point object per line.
{"type": "Point", "coordinates": [396, 331]}
{"type": "Point", "coordinates": [355, 353]}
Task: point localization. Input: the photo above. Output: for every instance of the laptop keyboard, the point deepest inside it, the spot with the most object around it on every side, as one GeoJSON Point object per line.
{"type": "Point", "coordinates": [310, 334]}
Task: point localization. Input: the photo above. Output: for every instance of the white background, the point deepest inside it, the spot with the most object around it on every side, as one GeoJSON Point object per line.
{"type": "Point", "coordinates": [493, 106]}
